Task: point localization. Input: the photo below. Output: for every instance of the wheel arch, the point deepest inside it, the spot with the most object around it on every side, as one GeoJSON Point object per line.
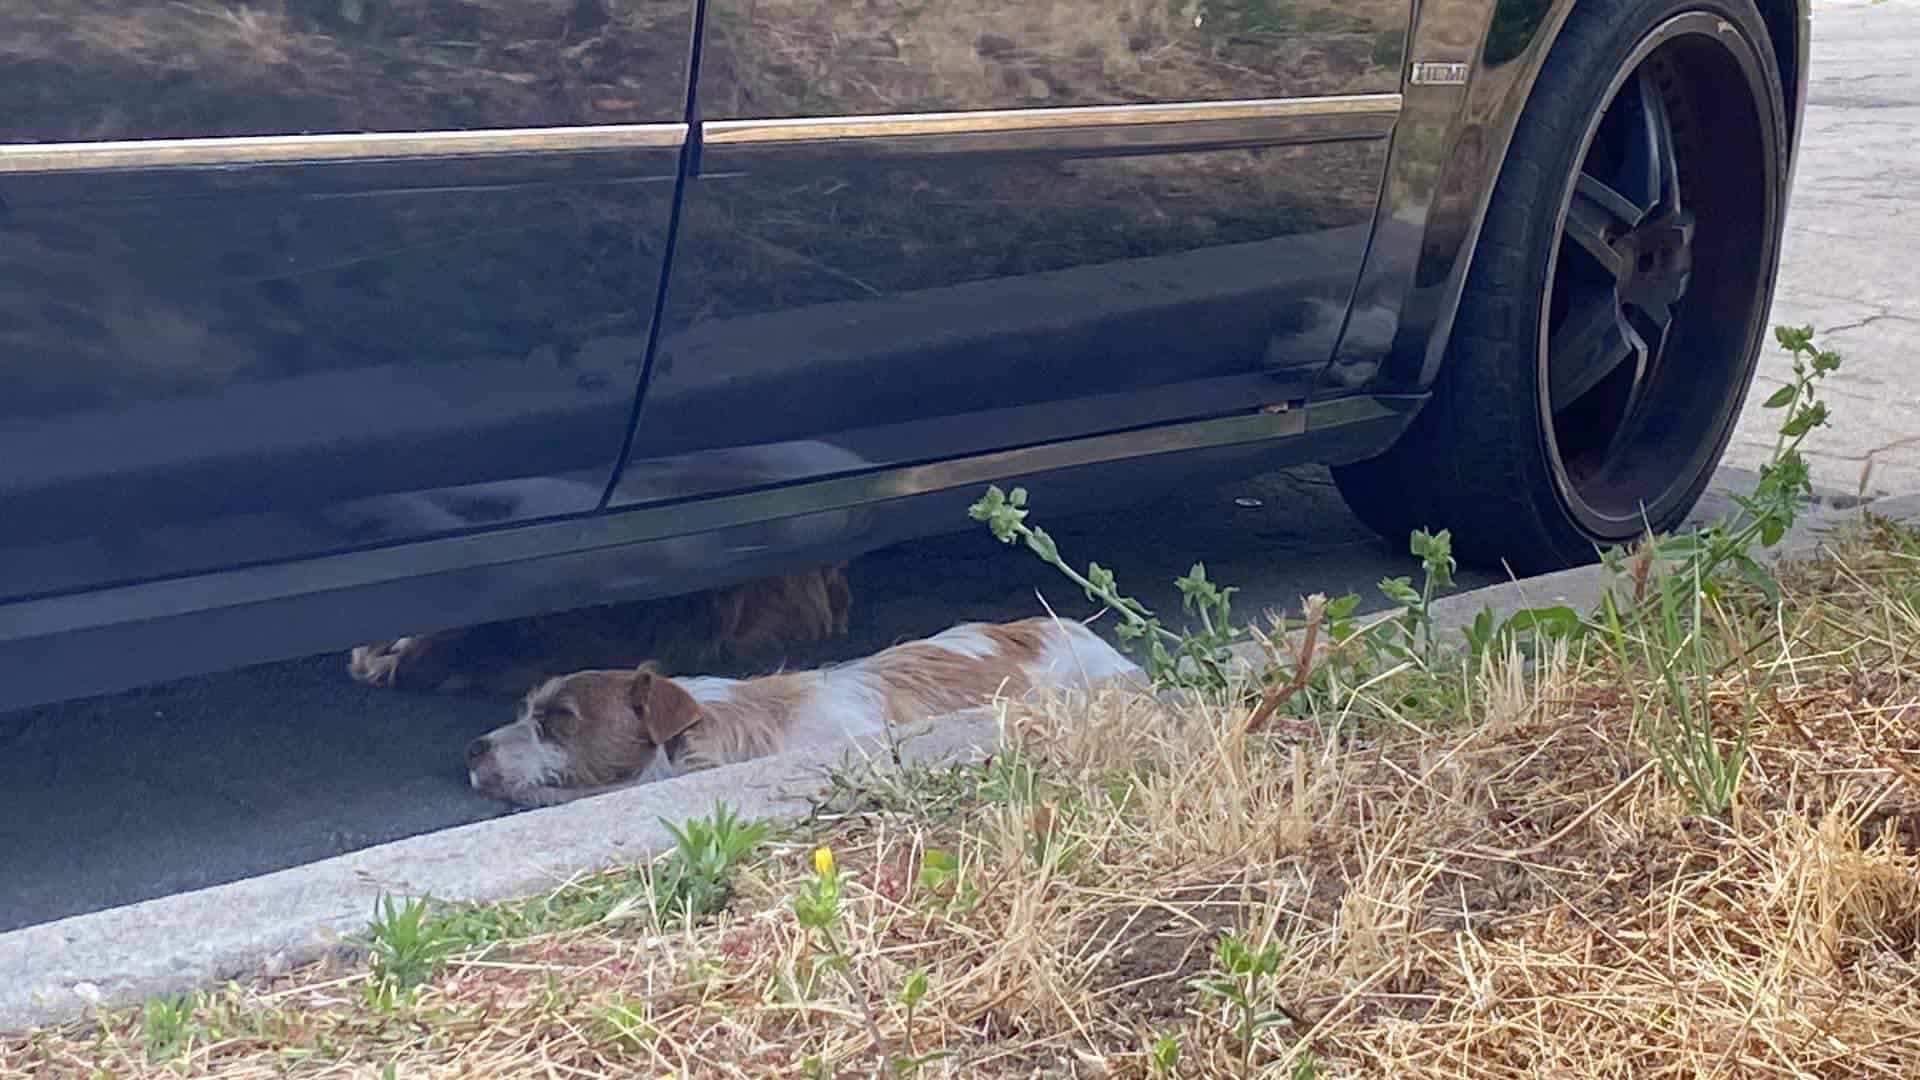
{"type": "Point", "coordinates": [1448, 151]}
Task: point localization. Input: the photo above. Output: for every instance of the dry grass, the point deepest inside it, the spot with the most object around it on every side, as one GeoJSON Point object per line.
{"type": "Point", "coordinates": [1502, 889]}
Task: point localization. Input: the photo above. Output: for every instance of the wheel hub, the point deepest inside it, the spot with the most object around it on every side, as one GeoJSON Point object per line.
{"type": "Point", "coordinates": [1656, 262]}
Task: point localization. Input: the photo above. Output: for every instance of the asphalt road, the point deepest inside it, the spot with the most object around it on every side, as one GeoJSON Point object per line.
{"type": "Point", "coordinates": [116, 799]}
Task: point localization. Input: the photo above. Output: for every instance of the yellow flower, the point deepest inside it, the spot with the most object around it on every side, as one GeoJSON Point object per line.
{"type": "Point", "coordinates": [823, 861]}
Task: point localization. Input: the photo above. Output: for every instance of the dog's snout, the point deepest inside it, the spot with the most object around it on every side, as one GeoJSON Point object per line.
{"type": "Point", "coordinates": [476, 750]}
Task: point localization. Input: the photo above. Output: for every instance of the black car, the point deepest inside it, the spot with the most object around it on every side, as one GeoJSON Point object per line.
{"type": "Point", "coordinates": [326, 320]}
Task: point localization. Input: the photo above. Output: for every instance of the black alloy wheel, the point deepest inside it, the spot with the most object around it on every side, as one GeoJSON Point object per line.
{"type": "Point", "coordinates": [1604, 346]}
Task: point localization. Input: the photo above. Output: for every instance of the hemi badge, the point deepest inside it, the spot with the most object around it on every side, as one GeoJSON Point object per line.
{"type": "Point", "coordinates": [1439, 73]}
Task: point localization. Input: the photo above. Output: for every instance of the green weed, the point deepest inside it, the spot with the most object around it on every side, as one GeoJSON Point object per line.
{"type": "Point", "coordinates": [696, 880]}
{"type": "Point", "coordinates": [1239, 982]}
{"type": "Point", "coordinates": [410, 946]}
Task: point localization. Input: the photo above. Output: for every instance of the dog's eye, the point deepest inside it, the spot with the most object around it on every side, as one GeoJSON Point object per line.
{"type": "Point", "coordinates": [553, 723]}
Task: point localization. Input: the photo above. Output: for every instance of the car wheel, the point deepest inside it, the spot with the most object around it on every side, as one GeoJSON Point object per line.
{"type": "Point", "coordinates": [1617, 300]}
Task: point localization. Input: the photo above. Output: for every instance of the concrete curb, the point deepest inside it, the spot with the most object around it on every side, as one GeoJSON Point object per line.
{"type": "Point", "coordinates": [57, 971]}
{"type": "Point", "coordinates": [1582, 587]}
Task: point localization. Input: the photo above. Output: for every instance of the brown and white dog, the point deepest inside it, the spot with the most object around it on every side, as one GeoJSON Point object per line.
{"type": "Point", "coordinates": [753, 624]}
{"type": "Point", "coordinates": [594, 731]}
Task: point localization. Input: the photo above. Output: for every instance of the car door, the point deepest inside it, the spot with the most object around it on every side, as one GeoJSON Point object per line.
{"type": "Point", "coordinates": [920, 230]}
{"type": "Point", "coordinates": [286, 277]}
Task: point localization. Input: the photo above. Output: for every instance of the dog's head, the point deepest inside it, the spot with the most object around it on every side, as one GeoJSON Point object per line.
{"type": "Point", "coordinates": [584, 731]}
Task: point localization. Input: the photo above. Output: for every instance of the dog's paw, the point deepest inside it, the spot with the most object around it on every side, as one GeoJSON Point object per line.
{"type": "Point", "coordinates": [377, 665]}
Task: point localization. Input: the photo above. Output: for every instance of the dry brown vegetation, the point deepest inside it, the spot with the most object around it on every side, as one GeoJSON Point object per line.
{"type": "Point", "coordinates": [1471, 874]}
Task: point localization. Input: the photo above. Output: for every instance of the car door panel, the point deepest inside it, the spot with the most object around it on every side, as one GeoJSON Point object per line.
{"type": "Point", "coordinates": [277, 280]}
{"type": "Point", "coordinates": [920, 231]}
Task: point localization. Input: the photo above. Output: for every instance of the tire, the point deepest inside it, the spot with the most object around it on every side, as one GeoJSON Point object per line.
{"type": "Point", "coordinates": [1617, 298]}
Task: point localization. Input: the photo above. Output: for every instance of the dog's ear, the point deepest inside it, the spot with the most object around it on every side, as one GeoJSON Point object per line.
{"type": "Point", "coordinates": [664, 706]}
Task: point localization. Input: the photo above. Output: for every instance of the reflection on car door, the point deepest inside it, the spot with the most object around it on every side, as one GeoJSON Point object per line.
{"type": "Point", "coordinates": [279, 279]}
{"type": "Point", "coordinates": [921, 230]}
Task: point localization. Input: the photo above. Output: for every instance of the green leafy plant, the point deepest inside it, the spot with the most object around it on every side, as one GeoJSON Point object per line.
{"type": "Point", "coordinates": [1665, 570]}
{"type": "Point", "coordinates": [1163, 1054]}
{"type": "Point", "coordinates": [1668, 578]}
{"type": "Point", "coordinates": [1200, 658]}
{"type": "Point", "coordinates": [166, 1025]}
{"type": "Point", "coordinates": [1486, 635]}
{"type": "Point", "coordinates": [914, 789]}
{"type": "Point", "coordinates": [817, 905]}
{"type": "Point", "coordinates": [1688, 560]}
{"type": "Point", "coordinates": [1674, 582]}
{"type": "Point", "coordinates": [409, 947]}
{"type": "Point", "coordinates": [913, 990]}
{"type": "Point", "coordinates": [817, 908]}
{"type": "Point", "coordinates": [1238, 982]}
{"type": "Point", "coordinates": [1415, 622]}
{"type": "Point", "coordinates": [1786, 484]}
{"type": "Point", "coordinates": [945, 887]}
{"type": "Point", "coordinates": [1678, 722]}
{"type": "Point", "coordinates": [696, 879]}
{"type": "Point", "coordinates": [624, 1021]}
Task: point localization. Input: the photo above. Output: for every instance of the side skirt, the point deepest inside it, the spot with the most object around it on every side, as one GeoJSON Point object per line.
{"type": "Point", "coordinates": [114, 639]}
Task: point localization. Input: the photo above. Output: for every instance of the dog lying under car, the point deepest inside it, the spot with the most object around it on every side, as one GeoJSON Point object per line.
{"type": "Point", "coordinates": [752, 624]}
{"type": "Point", "coordinates": [598, 730]}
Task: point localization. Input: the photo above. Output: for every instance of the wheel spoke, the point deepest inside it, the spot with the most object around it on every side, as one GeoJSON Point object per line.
{"type": "Point", "coordinates": [1589, 345]}
{"type": "Point", "coordinates": [1663, 159]}
{"type": "Point", "coordinates": [1656, 310]}
{"type": "Point", "coordinates": [1633, 412]}
{"type": "Point", "coordinates": [1598, 216]}
{"type": "Point", "coordinates": [1623, 212]}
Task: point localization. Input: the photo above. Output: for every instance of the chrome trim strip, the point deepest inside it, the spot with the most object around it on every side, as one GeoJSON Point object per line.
{"type": "Point", "coordinates": [999, 121]}
{"type": "Point", "coordinates": [20, 158]}
{"type": "Point", "coordinates": [185, 596]}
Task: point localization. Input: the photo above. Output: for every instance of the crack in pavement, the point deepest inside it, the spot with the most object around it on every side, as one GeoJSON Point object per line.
{"type": "Point", "coordinates": [1881, 316]}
